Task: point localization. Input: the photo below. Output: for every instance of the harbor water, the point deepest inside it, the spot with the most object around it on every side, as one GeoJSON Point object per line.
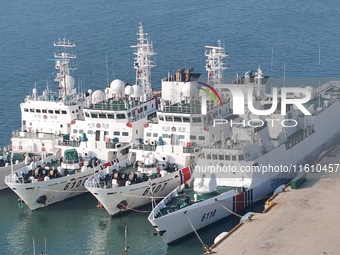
{"type": "Point", "coordinates": [293, 39]}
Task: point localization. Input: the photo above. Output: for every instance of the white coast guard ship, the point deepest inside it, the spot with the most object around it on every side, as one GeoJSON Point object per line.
{"type": "Point", "coordinates": [46, 117]}
{"type": "Point", "coordinates": [98, 138]}
{"type": "Point", "coordinates": [250, 163]}
{"type": "Point", "coordinates": [172, 141]}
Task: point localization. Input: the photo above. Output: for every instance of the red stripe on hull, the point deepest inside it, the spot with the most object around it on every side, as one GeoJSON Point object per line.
{"type": "Point", "coordinates": [186, 174]}
{"type": "Point", "coordinates": [239, 202]}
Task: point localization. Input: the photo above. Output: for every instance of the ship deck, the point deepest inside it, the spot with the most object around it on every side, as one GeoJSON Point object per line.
{"type": "Point", "coordinates": [114, 105]}
{"type": "Point", "coordinates": [186, 198]}
{"type": "Point", "coordinates": [104, 180]}
{"type": "Point", "coordinates": [37, 135]}
{"type": "Point", "coordinates": [185, 107]}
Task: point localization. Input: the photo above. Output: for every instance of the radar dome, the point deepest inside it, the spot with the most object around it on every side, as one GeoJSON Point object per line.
{"type": "Point", "coordinates": [117, 87]}
{"type": "Point", "coordinates": [98, 96]}
{"type": "Point", "coordinates": [189, 89]}
{"type": "Point", "coordinates": [137, 91]}
{"type": "Point", "coordinates": [129, 90]}
{"type": "Point", "coordinates": [311, 90]}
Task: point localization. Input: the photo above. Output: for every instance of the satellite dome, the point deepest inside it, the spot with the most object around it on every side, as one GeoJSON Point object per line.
{"type": "Point", "coordinates": [98, 96]}
{"type": "Point", "coordinates": [189, 89]}
{"type": "Point", "coordinates": [129, 90]}
{"type": "Point", "coordinates": [137, 91]}
{"type": "Point", "coordinates": [117, 87]}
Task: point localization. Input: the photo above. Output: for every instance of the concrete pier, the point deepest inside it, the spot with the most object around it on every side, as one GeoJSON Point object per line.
{"type": "Point", "coordinates": [302, 221]}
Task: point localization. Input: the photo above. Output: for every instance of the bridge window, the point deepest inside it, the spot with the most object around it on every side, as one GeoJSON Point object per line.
{"type": "Point", "coordinates": [102, 115]}
{"type": "Point", "coordinates": [120, 116]}
{"type": "Point", "coordinates": [186, 119]}
{"type": "Point", "coordinates": [168, 118]}
{"type": "Point", "coordinates": [94, 115]}
{"type": "Point", "coordinates": [177, 119]}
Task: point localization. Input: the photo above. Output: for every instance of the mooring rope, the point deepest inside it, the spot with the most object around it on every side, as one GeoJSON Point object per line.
{"type": "Point", "coordinates": [226, 208]}
{"type": "Point", "coordinates": [204, 246]}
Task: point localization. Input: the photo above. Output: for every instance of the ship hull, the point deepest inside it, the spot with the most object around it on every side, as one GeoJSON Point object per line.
{"type": "Point", "coordinates": [176, 225]}
{"type": "Point", "coordinates": [40, 194]}
{"type": "Point", "coordinates": [124, 198]}
{"type": "Point", "coordinates": [179, 224]}
{"type": "Point", "coordinates": [55, 190]}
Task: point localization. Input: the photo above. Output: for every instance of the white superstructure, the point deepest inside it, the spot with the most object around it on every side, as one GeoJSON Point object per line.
{"type": "Point", "coordinates": [172, 141]}
{"type": "Point", "coordinates": [250, 162]}
{"type": "Point", "coordinates": [105, 125]}
{"type": "Point", "coordinates": [45, 117]}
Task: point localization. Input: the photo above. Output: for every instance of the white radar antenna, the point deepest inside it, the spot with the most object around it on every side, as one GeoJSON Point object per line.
{"type": "Point", "coordinates": [215, 64]}
{"type": "Point", "coordinates": [62, 60]}
{"type": "Point", "coordinates": [144, 62]}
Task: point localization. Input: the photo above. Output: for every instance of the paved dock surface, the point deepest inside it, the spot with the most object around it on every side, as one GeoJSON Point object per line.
{"type": "Point", "coordinates": [304, 221]}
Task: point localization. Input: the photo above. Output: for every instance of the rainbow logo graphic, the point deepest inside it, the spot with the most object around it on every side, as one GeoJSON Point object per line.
{"type": "Point", "coordinates": [210, 91]}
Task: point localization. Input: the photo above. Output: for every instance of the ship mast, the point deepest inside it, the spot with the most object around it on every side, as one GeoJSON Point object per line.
{"type": "Point", "coordinates": [143, 62]}
{"type": "Point", "coordinates": [215, 64]}
{"type": "Point", "coordinates": [62, 60]}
